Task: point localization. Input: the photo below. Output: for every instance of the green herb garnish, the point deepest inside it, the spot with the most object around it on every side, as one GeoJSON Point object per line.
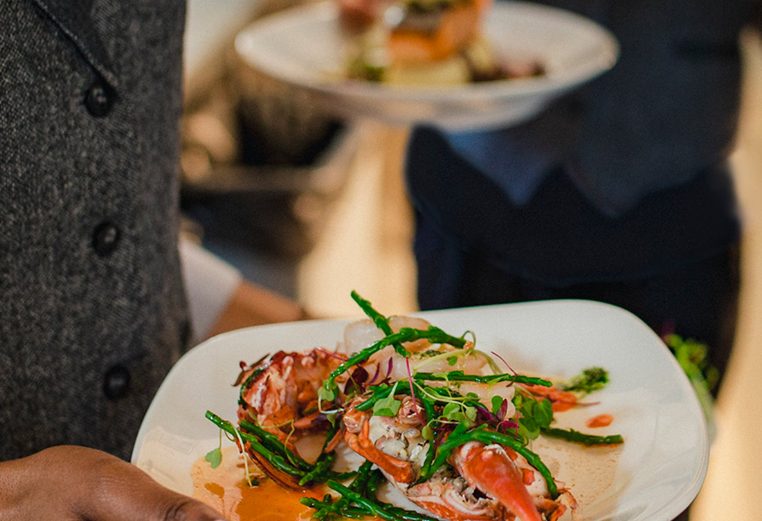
{"type": "Point", "coordinates": [534, 415]}
{"type": "Point", "coordinates": [581, 437]}
{"type": "Point", "coordinates": [388, 405]}
{"type": "Point", "coordinates": [588, 381]}
{"type": "Point", "coordinates": [459, 376]}
{"type": "Point", "coordinates": [214, 457]}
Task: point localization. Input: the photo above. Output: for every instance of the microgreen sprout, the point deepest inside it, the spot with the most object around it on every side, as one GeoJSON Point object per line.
{"type": "Point", "coordinates": [388, 406]}
{"type": "Point", "coordinates": [214, 456]}
{"type": "Point", "coordinates": [245, 457]}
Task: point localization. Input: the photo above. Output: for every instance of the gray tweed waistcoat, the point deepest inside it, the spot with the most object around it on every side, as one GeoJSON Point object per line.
{"type": "Point", "coordinates": [92, 311]}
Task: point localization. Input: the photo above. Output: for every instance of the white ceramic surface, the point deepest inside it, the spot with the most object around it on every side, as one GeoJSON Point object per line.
{"type": "Point", "coordinates": [655, 475]}
{"type": "Point", "coordinates": [303, 46]}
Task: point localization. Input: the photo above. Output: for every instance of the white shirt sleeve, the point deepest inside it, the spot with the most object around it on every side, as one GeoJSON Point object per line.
{"type": "Point", "coordinates": [209, 284]}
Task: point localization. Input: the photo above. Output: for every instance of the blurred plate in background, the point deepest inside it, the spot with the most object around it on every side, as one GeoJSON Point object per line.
{"type": "Point", "coordinates": [305, 47]}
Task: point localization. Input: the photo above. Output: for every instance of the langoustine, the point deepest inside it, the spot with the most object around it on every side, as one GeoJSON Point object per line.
{"type": "Point", "coordinates": [436, 416]}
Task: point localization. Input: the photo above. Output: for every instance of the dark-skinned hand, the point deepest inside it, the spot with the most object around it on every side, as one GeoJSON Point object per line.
{"type": "Point", "coordinates": [72, 483]}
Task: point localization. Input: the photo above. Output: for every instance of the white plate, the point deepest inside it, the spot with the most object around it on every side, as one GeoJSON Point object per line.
{"type": "Point", "coordinates": [304, 47]}
{"type": "Point", "coordinates": [657, 473]}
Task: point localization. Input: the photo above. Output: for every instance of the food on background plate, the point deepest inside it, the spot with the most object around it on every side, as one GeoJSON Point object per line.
{"type": "Point", "coordinates": [448, 425]}
{"type": "Point", "coordinates": [425, 42]}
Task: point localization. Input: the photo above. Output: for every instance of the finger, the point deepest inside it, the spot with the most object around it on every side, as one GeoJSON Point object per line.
{"type": "Point", "coordinates": [125, 493]}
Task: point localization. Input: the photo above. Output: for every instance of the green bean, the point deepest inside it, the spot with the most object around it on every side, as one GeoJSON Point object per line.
{"type": "Point", "coordinates": [340, 476]}
{"type": "Point", "coordinates": [379, 393]}
{"type": "Point", "coordinates": [405, 334]}
{"type": "Point", "coordinates": [441, 453]}
{"type": "Point", "coordinates": [347, 511]}
{"type": "Point", "coordinates": [459, 376]}
{"type": "Point", "coordinates": [487, 437]}
{"type": "Point", "coordinates": [376, 508]}
{"type": "Point", "coordinates": [322, 465]}
{"type": "Point", "coordinates": [357, 485]}
{"type": "Point", "coordinates": [380, 320]}
{"type": "Point", "coordinates": [363, 475]}
{"type": "Point", "coordinates": [532, 458]}
{"type": "Point", "coordinates": [272, 442]}
{"type": "Point", "coordinates": [276, 460]}
{"type": "Point", "coordinates": [580, 437]}
{"type": "Point", "coordinates": [374, 481]}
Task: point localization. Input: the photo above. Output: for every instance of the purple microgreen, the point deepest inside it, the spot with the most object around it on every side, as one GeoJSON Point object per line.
{"type": "Point", "coordinates": [375, 375]}
{"type": "Point", "coordinates": [356, 381]}
{"type": "Point", "coordinates": [507, 425]}
{"type": "Point", "coordinates": [503, 360]}
{"type": "Point", "coordinates": [503, 409]}
{"type": "Point", "coordinates": [486, 416]}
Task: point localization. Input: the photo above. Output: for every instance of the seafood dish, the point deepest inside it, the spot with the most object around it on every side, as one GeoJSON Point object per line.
{"type": "Point", "coordinates": [425, 42]}
{"type": "Point", "coordinates": [449, 425]}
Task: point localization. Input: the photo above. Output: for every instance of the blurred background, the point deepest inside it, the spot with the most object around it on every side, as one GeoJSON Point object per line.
{"type": "Point", "coordinates": [313, 207]}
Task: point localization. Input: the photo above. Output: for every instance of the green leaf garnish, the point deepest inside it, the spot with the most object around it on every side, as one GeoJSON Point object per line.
{"type": "Point", "coordinates": [497, 404]}
{"type": "Point", "coordinates": [326, 394]}
{"type": "Point", "coordinates": [388, 406]}
{"type": "Point", "coordinates": [457, 412]}
{"type": "Point", "coordinates": [534, 415]}
{"type": "Point", "coordinates": [589, 380]}
{"type": "Point", "coordinates": [214, 457]}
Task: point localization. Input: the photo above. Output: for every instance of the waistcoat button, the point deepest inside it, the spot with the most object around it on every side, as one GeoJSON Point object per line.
{"type": "Point", "coordinates": [99, 99]}
{"type": "Point", "coordinates": [105, 238]}
{"type": "Point", "coordinates": [116, 383]}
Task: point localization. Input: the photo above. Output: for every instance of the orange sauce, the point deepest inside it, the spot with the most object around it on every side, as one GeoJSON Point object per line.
{"type": "Point", "coordinates": [602, 420]}
{"type": "Point", "coordinates": [225, 489]}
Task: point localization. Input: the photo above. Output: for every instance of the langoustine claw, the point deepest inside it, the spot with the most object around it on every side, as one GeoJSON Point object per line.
{"type": "Point", "coordinates": [486, 482]}
{"type": "Point", "coordinates": [491, 470]}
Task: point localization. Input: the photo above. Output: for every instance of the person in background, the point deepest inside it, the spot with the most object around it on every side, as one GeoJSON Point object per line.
{"type": "Point", "coordinates": [619, 192]}
{"type": "Point", "coordinates": [93, 310]}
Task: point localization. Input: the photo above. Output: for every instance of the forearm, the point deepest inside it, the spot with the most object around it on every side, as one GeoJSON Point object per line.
{"type": "Point", "coordinates": [220, 299]}
{"type": "Point", "coordinates": [253, 305]}
{"type": "Point", "coordinates": [15, 484]}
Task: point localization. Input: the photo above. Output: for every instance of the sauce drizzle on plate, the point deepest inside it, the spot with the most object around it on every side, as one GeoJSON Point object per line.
{"type": "Point", "coordinates": [226, 490]}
